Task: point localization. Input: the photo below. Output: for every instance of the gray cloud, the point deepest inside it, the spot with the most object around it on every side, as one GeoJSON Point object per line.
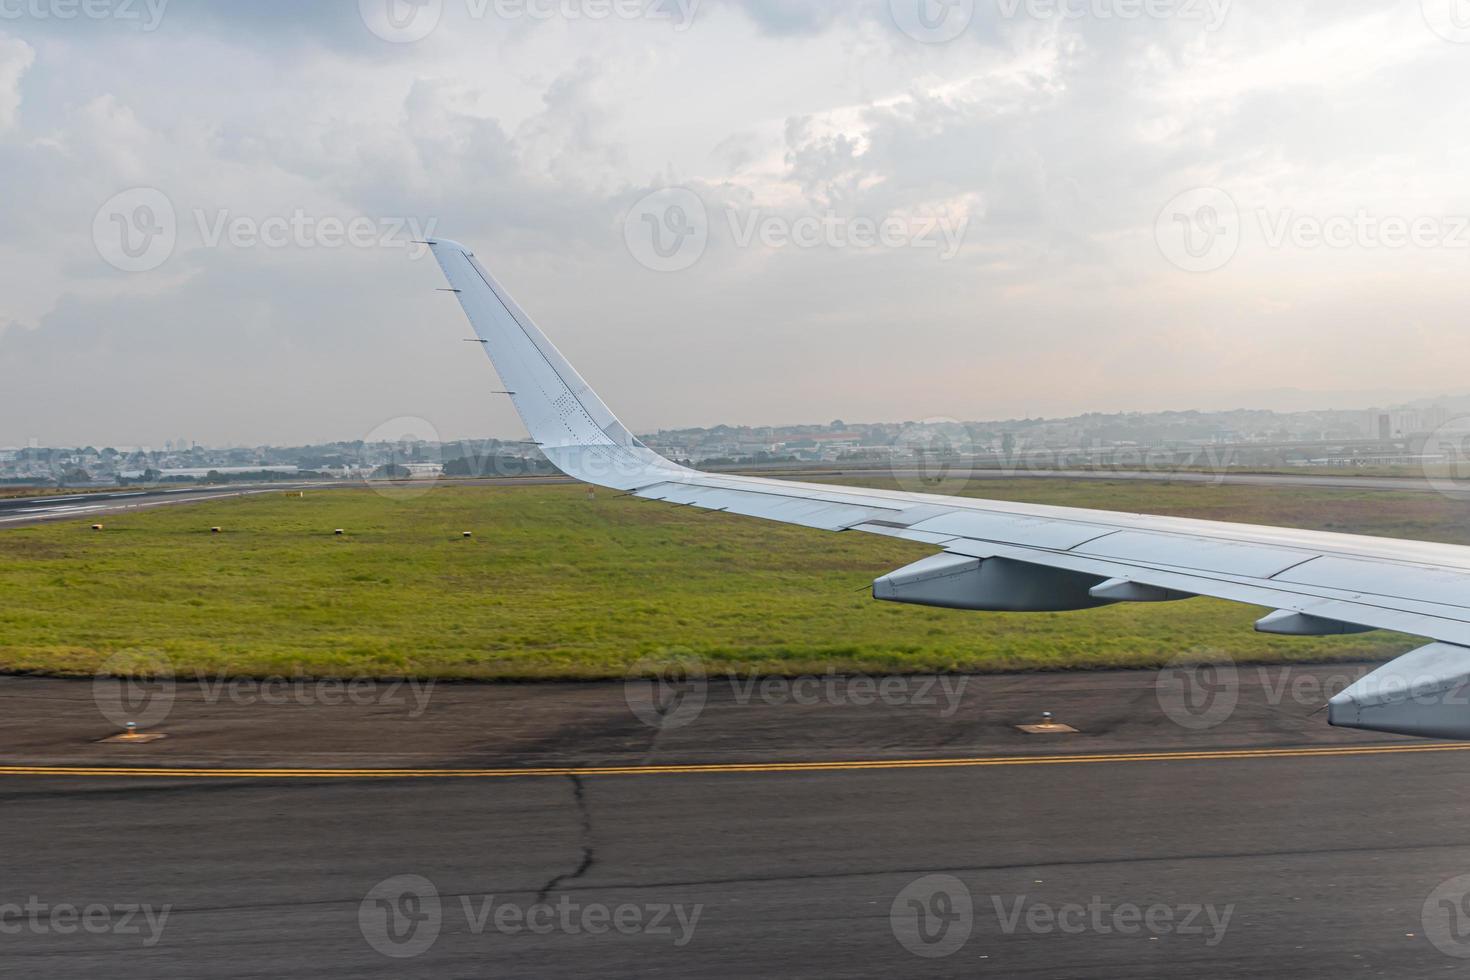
{"type": "Point", "coordinates": [1058, 140]}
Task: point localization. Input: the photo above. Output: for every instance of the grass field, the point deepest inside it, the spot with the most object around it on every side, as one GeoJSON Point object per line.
{"type": "Point", "coordinates": [554, 585]}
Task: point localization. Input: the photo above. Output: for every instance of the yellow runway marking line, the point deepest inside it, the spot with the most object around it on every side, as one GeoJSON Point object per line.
{"type": "Point", "coordinates": [734, 768]}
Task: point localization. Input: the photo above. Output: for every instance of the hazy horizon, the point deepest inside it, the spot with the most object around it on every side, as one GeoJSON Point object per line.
{"type": "Point", "coordinates": [413, 427]}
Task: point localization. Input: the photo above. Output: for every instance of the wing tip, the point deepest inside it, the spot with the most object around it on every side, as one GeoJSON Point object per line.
{"type": "Point", "coordinates": [447, 244]}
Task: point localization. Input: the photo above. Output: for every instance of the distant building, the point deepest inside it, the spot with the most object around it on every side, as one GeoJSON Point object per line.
{"type": "Point", "coordinates": [195, 472]}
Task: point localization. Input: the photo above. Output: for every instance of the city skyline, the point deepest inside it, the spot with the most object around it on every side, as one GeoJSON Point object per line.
{"type": "Point", "coordinates": [1088, 429]}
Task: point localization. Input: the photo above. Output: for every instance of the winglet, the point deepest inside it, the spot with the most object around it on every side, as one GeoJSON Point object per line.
{"type": "Point", "coordinates": [577, 432]}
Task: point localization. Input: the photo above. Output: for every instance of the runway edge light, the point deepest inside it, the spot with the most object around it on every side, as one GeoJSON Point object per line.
{"type": "Point", "coordinates": [1048, 726]}
{"type": "Point", "coordinates": [134, 737]}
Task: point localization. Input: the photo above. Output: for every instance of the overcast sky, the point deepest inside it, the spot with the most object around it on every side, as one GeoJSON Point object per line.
{"type": "Point", "coordinates": [742, 211]}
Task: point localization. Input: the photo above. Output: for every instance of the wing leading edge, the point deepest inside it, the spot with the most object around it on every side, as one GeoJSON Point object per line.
{"type": "Point", "coordinates": [997, 555]}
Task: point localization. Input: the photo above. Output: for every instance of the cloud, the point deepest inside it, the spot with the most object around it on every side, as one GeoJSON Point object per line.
{"type": "Point", "coordinates": [776, 17]}
{"type": "Point", "coordinates": [16, 56]}
{"type": "Point", "coordinates": [1054, 140]}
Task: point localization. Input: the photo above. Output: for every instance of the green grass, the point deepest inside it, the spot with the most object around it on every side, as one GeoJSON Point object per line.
{"type": "Point", "coordinates": [556, 586]}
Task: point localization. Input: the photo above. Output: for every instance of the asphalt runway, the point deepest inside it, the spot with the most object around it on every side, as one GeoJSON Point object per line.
{"type": "Point", "coordinates": [20, 511]}
{"type": "Point", "coordinates": [1198, 824]}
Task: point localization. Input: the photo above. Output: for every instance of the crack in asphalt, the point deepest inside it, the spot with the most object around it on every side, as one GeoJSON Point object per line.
{"type": "Point", "coordinates": [579, 796]}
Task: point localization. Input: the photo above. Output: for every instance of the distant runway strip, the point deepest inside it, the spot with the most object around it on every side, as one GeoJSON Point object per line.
{"type": "Point", "coordinates": [734, 768]}
{"type": "Point", "coordinates": [19, 511]}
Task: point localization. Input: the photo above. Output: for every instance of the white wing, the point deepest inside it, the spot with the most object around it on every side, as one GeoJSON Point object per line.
{"type": "Point", "coordinates": [1008, 556]}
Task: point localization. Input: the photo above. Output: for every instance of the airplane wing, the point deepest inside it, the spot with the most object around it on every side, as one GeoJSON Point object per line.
{"type": "Point", "coordinates": [993, 555]}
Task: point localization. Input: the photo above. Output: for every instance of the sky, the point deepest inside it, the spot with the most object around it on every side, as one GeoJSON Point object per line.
{"type": "Point", "coordinates": [724, 211]}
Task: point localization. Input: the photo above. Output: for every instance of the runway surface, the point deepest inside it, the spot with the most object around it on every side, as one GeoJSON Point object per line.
{"type": "Point", "coordinates": [1199, 823]}
{"type": "Point", "coordinates": [20, 511]}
